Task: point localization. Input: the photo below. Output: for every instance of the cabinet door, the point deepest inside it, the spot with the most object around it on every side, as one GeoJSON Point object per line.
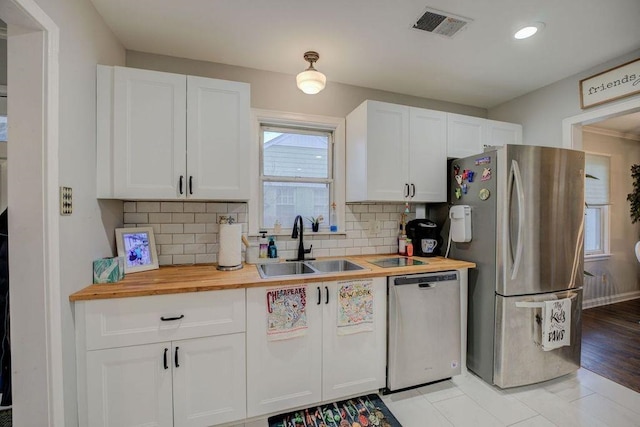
{"type": "Point", "coordinates": [377, 157]}
{"type": "Point", "coordinates": [428, 155]}
{"type": "Point", "coordinates": [209, 382]}
{"type": "Point", "coordinates": [285, 373]}
{"type": "Point", "coordinates": [464, 135]}
{"type": "Point", "coordinates": [353, 363]}
{"type": "Point", "coordinates": [149, 133]}
{"type": "Point", "coordinates": [218, 139]}
{"type": "Point", "coordinates": [498, 133]}
{"type": "Point", "coordinates": [129, 386]}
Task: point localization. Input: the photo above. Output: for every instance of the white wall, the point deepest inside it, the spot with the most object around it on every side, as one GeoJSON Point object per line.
{"type": "Point", "coordinates": [618, 276]}
{"type": "Point", "coordinates": [541, 112]}
{"type": "Point", "coordinates": [278, 91]}
{"type": "Point", "coordinates": [87, 234]}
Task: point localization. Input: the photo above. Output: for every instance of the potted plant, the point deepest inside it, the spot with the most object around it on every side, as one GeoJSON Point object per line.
{"type": "Point", "coordinates": [315, 223]}
{"type": "Point", "coordinates": [634, 202]}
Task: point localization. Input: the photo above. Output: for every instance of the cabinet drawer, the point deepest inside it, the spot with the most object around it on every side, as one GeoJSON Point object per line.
{"type": "Point", "coordinates": [139, 320]}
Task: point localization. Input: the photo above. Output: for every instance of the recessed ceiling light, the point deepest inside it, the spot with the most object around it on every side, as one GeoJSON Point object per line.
{"type": "Point", "coordinates": [528, 31]}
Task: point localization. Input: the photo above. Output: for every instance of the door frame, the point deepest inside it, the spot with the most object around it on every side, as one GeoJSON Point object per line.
{"type": "Point", "coordinates": [36, 328]}
{"type": "Point", "coordinates": [572, 126]}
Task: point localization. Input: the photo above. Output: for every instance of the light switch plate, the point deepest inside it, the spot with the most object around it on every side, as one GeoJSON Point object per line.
{"type": "Point", "coordinates": [66, 201]}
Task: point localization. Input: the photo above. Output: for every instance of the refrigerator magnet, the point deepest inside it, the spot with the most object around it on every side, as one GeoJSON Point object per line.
{"type": "Point", "coordinates": [458, 193]}
{"type": "Point", "coordinates": [486, 174]}
{"type": "Point", "coordinates": [464, 188]}
{"type": "Point", "coordinates": [470, 175]}
{"type": "Point", "coordinates": [456, 169]}
{"type": "Point", "coordinates": [459, 179]}
{"type": "Point", "coordinates": [483, 161]}
{"type": "Point", "coordinates": [484, 194]}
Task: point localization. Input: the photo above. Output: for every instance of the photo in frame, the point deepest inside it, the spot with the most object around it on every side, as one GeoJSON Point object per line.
{"type": "Point", "coordinates": [138, 247]}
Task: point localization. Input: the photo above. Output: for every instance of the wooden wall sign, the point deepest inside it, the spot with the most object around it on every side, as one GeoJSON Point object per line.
{"type": "Point", "coordinates": [615, 83]}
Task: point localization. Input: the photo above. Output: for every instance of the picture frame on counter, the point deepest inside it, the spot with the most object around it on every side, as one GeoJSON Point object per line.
{"type": "Point", "coordinates": [612, 84]}
{"type": "Point", "coordinates": [138, 247]}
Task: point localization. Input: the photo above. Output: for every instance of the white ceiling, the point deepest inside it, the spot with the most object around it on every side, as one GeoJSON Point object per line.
{"type": "Point", "coordinates": [370, 43]}
{"type": "Point", "coordinates": [628, 124]}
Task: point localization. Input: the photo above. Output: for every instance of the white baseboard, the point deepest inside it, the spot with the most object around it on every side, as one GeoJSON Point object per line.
{"type": "Point", "coordinates": [612, 299]}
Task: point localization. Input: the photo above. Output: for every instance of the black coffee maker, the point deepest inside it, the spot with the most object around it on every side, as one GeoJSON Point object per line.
{"type": "Point", "coordinates": [425, 237]}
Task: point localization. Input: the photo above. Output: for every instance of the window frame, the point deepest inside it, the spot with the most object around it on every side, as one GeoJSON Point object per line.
{"type": "Point", "coordinates": [605, 220]}
{"type": "Point", "coordinates": [268, 127]}
{"type": "Point", "coordinates": [304, 122]}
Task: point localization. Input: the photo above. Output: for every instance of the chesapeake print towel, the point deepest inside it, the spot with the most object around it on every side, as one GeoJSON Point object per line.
{"type": "Point", "coordinates": [286, 312]}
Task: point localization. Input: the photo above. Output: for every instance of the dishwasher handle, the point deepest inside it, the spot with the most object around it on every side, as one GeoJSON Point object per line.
{"type": "Point", "coordinates": [420, 280]}
{"type": "Point", "coordinates": [427, 285]}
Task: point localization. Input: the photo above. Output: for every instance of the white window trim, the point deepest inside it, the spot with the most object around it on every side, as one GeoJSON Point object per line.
{"type": "Point", "coordinates": [606, 237]}
{"type": "Point", "coordinates": [272, 117]}
{"type": "Point", "coordinates": [606, 226]}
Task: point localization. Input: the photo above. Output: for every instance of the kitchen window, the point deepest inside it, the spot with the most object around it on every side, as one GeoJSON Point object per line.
{"type": "Point", "coordinates": [596, 223]}
{"type": "Point", "coordinates": [300, 168]}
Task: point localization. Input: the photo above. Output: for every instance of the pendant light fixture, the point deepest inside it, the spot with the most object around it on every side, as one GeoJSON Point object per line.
{"type": "Point", "coordinates": [311, 81]}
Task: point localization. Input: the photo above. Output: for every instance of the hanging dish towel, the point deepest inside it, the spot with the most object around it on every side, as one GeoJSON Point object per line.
{"type": "Point", "coordinates": [556, 324]}
{"type": "Point", "coordinates": [286, 312]}
{"type": "Point", "coordinates": [355, 306]}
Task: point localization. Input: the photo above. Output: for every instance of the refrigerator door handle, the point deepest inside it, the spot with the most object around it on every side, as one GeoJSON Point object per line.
{"type": "Point", "coordinates": [516, 178]}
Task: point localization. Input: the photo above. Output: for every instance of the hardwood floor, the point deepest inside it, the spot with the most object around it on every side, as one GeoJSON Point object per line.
{"type": "Point", "coordinates": [611, 342]}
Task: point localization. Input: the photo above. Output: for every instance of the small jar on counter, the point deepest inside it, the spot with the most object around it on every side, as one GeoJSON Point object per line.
{"type": "Point", "coordinates": [409, 248]}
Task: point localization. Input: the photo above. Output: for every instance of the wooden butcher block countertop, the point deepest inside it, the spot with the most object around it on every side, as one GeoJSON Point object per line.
{"type": "Point", "coordinates": [205, 277]}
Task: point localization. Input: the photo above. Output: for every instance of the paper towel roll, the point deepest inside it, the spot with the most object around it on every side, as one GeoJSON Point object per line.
{"type": "Point", "coordinates": [230, 240]}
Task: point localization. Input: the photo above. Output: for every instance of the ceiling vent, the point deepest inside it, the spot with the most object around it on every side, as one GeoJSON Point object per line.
{"type": "Point", "coordinates": [441, 23]}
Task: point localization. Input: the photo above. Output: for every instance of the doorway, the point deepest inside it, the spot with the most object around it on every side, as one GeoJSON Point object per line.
{"type": "Point", "coordinates": [611, 310]}
{"type": "Point", "coordinates": [32, 59]}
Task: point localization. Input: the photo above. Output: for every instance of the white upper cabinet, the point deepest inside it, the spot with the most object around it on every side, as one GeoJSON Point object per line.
{"type": "Point", "coordinates": [395, 153]}
{"type": "Point", "coordinates": [468, 136]}
{"type": "Point", "coordinates": [164, 136]}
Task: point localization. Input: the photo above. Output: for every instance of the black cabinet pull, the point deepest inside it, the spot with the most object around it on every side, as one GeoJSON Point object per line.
{"type": "Point", "coordinates": [190, 184]}
{"type": "Point", "coordinates": [413, 190]}
{"type": "Point", "coordinates": [326, 293]}
{"type": "Point", "coordinates": [319, 296]}
{"type": "Point", "coordinates": [169, 319]}
{"type": "Point", "coordinates": [176, 358]}
{"type": "Point", "coordinates": [166, 365]}
{"type": "Point", "coordinates": [180, 183]}
{"type": "Point", "coordinates": [406, 190]}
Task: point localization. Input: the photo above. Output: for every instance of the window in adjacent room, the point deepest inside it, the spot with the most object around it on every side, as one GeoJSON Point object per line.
{"type": "Point", "coordinates": [596, 192]}
{"type": "Point", "coordinates": [296, 175]}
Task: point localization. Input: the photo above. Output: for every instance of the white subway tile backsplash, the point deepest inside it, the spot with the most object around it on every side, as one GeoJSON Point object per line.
{"type": "Point", "coordinates": [187, 232]}
{"type": "Point", "coordinates": [195, 207]}
{"type": "Point", "coordinates": [195, 228]}
{"type": "Point", "coordinates": [184, 259]}
{"type": "Point", "coordinates": [183, 239]}
{"type": "Point", "coordinates": [201, 218]}
{"type": "Point", "coordinates": [136, 218]}
{"type": "Point", "coordinates": [160, 218]}
{"type": "Point", "coordinates": [217, 207]}
{"type": "Point", "coordinates": [129, 207]}
{"type": "Point", "coordinates": [148, 207]}
{"type": "Point", "coordinates": [172, 228]}
{"type": "Point", "coordinates": [182, 218]}
{"type": "Point", "coordinates": [171, 249]}
{"type": "Point", "coordinates": [171, 206]}
{"type": "Point", "coordinates": [197, 248]}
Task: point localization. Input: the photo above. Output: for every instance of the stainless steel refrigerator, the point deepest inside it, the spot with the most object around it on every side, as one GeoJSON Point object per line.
{"type": "Point", "coordinates": [527, 221]}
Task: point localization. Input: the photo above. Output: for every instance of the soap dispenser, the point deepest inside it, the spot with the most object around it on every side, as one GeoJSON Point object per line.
{"type": "Point", "coordinates": [272, 250]}
{"type": "Point", "coordinates": [262, 252]}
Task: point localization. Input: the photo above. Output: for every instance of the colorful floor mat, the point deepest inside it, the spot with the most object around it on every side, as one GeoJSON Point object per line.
{"type": "Point", "coordinates": [363, 411]}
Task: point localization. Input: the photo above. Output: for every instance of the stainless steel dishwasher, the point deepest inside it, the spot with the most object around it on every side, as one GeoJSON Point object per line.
{"type": "Point", "coordinates": [424, 329]}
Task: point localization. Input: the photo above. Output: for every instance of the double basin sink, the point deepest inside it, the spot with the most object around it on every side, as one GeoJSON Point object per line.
{"type": "Point", "coordinates": [296, 268]}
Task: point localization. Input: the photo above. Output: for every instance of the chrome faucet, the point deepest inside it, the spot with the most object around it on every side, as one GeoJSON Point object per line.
{"type": "Point", "coordinates": [294, 235]}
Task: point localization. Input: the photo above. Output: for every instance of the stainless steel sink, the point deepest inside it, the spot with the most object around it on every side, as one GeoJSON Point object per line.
{"type": "Point", "coordinates": [284, 269]}
{"type": "Point", "coordinates": [306, 267]}
{"type": "Point", "coordinates": [335, 265]}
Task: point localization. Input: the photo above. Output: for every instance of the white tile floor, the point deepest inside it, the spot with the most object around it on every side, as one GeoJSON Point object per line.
{"type": "Point", "coordinates": [579, 399]}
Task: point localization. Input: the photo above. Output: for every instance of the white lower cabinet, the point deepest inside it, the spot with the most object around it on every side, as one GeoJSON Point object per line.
{"type": "Point", "coordinates": [187, 369]}
{"type": "Point", "coordinates": [319, 365]}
